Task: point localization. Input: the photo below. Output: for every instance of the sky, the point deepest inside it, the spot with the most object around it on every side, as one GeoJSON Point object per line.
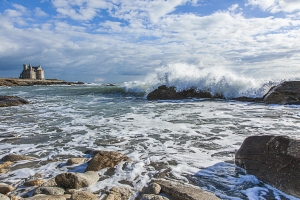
{"type": "Point", "coordinates": [112, 41]}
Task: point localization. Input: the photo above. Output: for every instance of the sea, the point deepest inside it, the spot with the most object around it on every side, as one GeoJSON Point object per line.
{"type": "Point", "coordinates": [193, 140]}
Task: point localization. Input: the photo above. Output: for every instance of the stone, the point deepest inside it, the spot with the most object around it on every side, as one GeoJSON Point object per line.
{"type": "Point", "coordinates": [3, 197]}
{"type": "Point", "coordinates": [3, 171]}
{"type": "Point", "coordinates": [16, 198]}
{"type": "Point", "coordinates": [80, 195]}
{"type": "Point", "coordinates": [119, 193]}
{"type": "Point", "coordinates": [152, 197]}
{"type": "Point", "coordinates": [36, 182]}
{"type": "Point", "coordinates": [50, 183]}
{"type": "Point", "coordinates": [71, 180]}
{"type": "Point", "coordinates": [105, 159]}
{"type": "Point", "coordinates": [50, 191]}
{"type": "Point", "coordinates": [47, 197]}
{"type": "Point", "coordinates": [287, 92]}
{"type": "Point", "coordinates": [5, 188]}
{"type": "Point", "coordinates": [179, 191]}
{"type": "Point", "coordinates": [75, 161]}
{"type": "Point", "coordinates": [6, 164]}
{"type": "Point", "coordinates": [6, 101]}
{"type": "Point", "coordinates": [152, 188]}
{"type": "Point", "coordinates": [272, 159]}
{"type": "Point", "coordinates": [16, 157]}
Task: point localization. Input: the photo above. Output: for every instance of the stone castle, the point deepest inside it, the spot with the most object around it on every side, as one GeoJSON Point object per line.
{"type": "Point", "coordinates": [30, 72]}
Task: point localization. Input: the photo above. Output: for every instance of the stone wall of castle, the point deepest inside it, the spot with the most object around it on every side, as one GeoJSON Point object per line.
{"type": "Point", "coordinates": [30, 72]}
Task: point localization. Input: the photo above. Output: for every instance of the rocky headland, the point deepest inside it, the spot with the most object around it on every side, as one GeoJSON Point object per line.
{"type": "Point", "coordinates": [30, 82]}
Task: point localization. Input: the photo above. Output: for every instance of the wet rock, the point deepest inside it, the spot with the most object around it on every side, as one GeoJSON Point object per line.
{"type": "Point", "coordinates": [5, 188]}
{"type": "Point", "coordinates": [49, 191]}
{"type": "Point", "coordinates": [49, 183]}
{"type": "Point", "coordinates": [119, 193]}
{"type": "Point", "coordinates": [152, 188]}
{"type": "Point", "coordinates": [16, 157]}
{"type": "Point", "coordinates": [3, 171]}
{"type": "Point", "coordinates": [169, 93]}
{"type": "Point", "coordinates": [36, 182]}
{"type": "Point", "coordinates": [48, 197]}
{"type": "Point", "coordinates": [273, 159]}
{"type": "Point", "coordinates": [179, 191]}
{"type": "Point", "coordinates": [6, 101]}
{"type": "Point", "coordinates": [287, 92]}
{"type": "Point", "coordinates": [6, 164]}
{"type": "Point", "coordinates": [3, 197]}
{"type": "Point", "coordinates": [105, 159]}
{"type": "Point", "coordinates": [248, 99]}
{"type": "Point", "coordinates": [80, 195]}
{"type": "Point", "coordinates": [76, 180]}
{"type": "Point", "coordinates": [75, 161]}
{"type": "Point", "coordinates": [152, 197]}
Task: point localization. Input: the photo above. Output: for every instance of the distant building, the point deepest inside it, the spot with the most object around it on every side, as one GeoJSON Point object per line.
{"type": "Point", "coordinates": [30, 72]}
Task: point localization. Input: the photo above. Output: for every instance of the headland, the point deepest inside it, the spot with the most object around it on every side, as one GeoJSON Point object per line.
{"type": "Point", "coordinates": [31, 82]}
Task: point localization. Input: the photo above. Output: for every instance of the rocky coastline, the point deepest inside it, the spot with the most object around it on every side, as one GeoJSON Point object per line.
{"type": "Point", "coordinates": [9, 82]}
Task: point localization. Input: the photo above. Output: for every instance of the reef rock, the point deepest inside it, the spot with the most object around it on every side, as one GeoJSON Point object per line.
{"type": "Point", "coordinates": [105, 159]}
{"type": "Point", "coordinates": [179, 191]}
{"type": "Point", "coordinates": [273, 159]}
{"type": "Point", "coordinates": [6, 101]}
{"type": "Point", "coordinates": [287, 92]}
{"type": "Point", "coordinates": [72, 180]}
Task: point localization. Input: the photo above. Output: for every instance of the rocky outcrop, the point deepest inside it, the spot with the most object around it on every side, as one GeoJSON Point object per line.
{"type": "Point", "coordinates": [16, 157]}
{"type": "Point", "coordinates": [273, 159]}
{"type": "Point", "coordinates": [30, 82]}
{"type": "Point", "coordinates": [285, 93]}
{"type": "Point", "coordinates": [179, 191]}
{"type": "Point", "coordinates": [105, 159]}
{"type": "Point", "coordinates": [6, 101]}
{"type": "Point", "coordinates": [72, 180]}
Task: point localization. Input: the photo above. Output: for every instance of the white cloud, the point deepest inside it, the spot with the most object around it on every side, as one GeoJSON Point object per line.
{"type": "Point", "coordinates": [39, 12]}
{"type": "Point", "coordinates": [275, 6]}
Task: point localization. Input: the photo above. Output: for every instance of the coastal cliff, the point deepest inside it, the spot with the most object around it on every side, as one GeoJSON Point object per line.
{"type": "Point", "coordinates": [31, 82]}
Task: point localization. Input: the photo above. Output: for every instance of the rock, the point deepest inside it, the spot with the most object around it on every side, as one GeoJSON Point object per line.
{"type": "Point", "coordinates": [4, 188]}
{"type": "Point", "coordinates": [287, 92]}
{"type": "Point", "coordinates": [73, 161]}
{"type": "Point", "coordinates": [49, 191]}
{"type": "Point", "coordinates": [15, 157]}
{"type": "Point", "coordinates": [3, 171]}
{"type": "Point", "coordinates": [105, 159]}
{"type": "Point", "coordinates": [6, 164]}
{"type": "Point", "coordinates": [80, 195]}
{"type": "Point", "coordinates": [16, 198]}
{"type": "Point", "coordinates": [248, 99]}
{"type": "Point", "coordinates": [72, 180]}
{"type": "Point", "coordinates": [50, 183]}
{"type": "Point", "coordinates": [168, 93]}
{"type": "Point", "coordinates": [179, 191]}
{"type": "Point", "coordinates": [36, 182]}
{"type": "Point", "coordinates": [119, 193]}
{"type": "Point", "coordinates": [153, 197]}
{"type": "Point", "coordinates": [273, 159]}
{"type": "Point", "coordinates": [47, 197]}
{"type": "Point", "coordinates": [152, 188]}
{"type": "Point", "coordinates": [6, 101]}
{"type": "Point", "coordinates": [3, 197]}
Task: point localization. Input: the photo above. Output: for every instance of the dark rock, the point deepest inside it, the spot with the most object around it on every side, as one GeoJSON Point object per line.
{"type": "Point", "coordinates": [4, 188]}
{"type": "Point", "coordinates": [179, 191]}
{"type": "Point", "coordinates": [273, 159]}
{"type": "Point", "coordinates": [248, 99]}
{"type": "Point", "coordinates": [105, 159]}
{"type": "Point", "coordinates": [6, 101]}
{"type": "Point", "coordinates": [285, 93]}
{"type": "Point", "coordinates": [76, 180]}
{"type": "Point", "coordinates": [169, 93]}
{"type": "Point", "coordinates": [15, 157]}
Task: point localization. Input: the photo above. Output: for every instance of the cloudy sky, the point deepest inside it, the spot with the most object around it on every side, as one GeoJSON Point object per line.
{"type": "Point", "coordinates": [117, 40]}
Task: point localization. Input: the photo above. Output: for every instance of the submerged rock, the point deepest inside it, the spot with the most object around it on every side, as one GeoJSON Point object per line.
{"type": "Point", "coordinates": [179, 191]}
{"type": "Point", "coordinates": [72, 180]}
{"type": "Point", "coordinates": [273, 159]}
{"type": "Point", "coordinates": [6, 101]}
{"type": "Point", "coordinates": [105, 159]}
{"type": "Point", "coordinates": [287, 92]}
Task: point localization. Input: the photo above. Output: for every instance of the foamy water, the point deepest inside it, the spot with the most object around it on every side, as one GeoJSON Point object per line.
{"type": "Point", "coordinates": [195, 139]}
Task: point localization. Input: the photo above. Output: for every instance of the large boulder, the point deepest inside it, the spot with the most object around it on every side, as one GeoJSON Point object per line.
{"type": "Point", "coordinates": [273, 159]}
{"type": "Point", "coordinates": [179, 191]}
{"type": "Point", "coordinates": [287, 92]}
{"type": "Point", "coordinates": [105, 159]}
{"type": "Point", "coordinates": [71, 180]}
{"type": "Point", "coordinates": [6, 101]}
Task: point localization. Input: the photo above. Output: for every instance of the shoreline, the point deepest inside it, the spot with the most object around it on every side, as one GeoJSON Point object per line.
{"type": "Point", "coordinates": [31, 82]}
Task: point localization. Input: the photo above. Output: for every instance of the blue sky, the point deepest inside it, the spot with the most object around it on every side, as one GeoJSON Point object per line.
{"type": "Point", "coordinates": [116, 41]}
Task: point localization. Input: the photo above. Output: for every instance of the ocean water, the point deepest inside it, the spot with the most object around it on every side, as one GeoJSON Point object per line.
{"type": "Point", "coordinates": [195, 140]}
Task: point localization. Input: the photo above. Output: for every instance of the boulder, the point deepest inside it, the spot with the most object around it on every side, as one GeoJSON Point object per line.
{"type": "Point", "coordinates": [169, 93]}
{"type": "Point", "coordinates": [80, 195]}
{"type": "Point", "coordinates": [3, 171]}
{"type": "Point", "coordinates": [5, 188]}
{"type": "Point", "coordinates": [152, 197]}
{"type": "Point", "coordinates": [36, 182]}
{"type": "Point", "coordinates": [287, 92]}
{"type": "Point", "coordinates": [6, 101]}
{"type": "Point", "coordinates": [76, 161]}
{"type": "Point", "coordinates": [48, 197]}
{"type": "Point", "coordinates": [49, 191]}
{"type": "Point", "coordinates": [50, 183]}
{"type": "Point", "coordinates": [152, 188]}
{"type": "Point", "coordinates": [105, 159]}
{"type": "Point", "coordinates": [3, 197]}
{"type": "Point", "coordinates": [72, 180]}
{"type": "Point", "coordinates": [16, 157]}
{"type": "Point", "coordinates": [119, 193]}
{"type": "Point", "coordinates": [273, 159]}
{"type": "Point", "coordinates": [6, 164]}
{"type": "Point", "coordinates": [179, 191]}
